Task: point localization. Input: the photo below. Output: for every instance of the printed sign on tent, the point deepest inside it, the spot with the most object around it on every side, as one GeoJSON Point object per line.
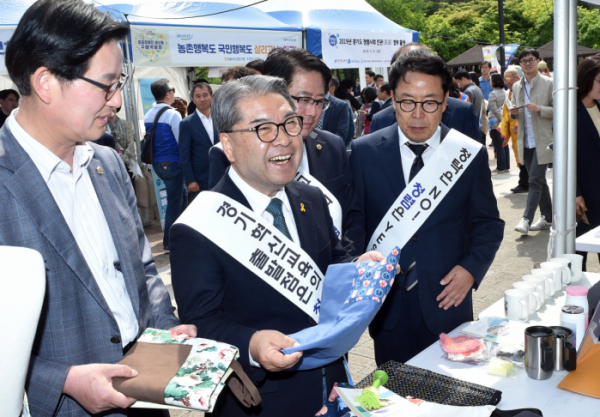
{"type": "Point", "coordinates": [188, 46]}
{"type": "Point", "coordinates": [5, 35]}
{"type": "Point", "coordinates": [357, 49]}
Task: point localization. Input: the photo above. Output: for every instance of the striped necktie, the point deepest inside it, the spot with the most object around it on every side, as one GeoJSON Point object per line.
{"type": "Point", "coordinates": [275, 209]}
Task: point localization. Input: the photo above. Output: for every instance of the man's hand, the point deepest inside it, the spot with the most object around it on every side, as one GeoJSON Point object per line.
{"type": "Point", "coordinates": [533, 108]}
{"type": "Point", "coordinates": [188, 329]}
{"type": "Point", "coordinates": [514, 111]}
{"type": "Point", "coordinates": [91, 386]}
{"type": "Point", "coordinates": [458, 283]}
{"type": "Point", "coordinates": [375, 256]}
{"type": "Point", "coordinates": [193, 187]}
{"type": "Point", "coordinates": [265, 347]}
{"type": "Point", "coordinates": [580, 206]}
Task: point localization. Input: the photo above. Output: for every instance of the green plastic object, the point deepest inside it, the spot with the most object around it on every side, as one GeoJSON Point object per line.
{"type": "Point", "coordinates": [369, 399]}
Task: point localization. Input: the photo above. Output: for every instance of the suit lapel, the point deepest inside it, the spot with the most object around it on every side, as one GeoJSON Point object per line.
{"type": "Point", "coordinates": [316, 156]}
{"type": "Point", "coordinates": [28, 187]}
{"type": "Point", "coordinates": [115, 211]}
{"type": "Point", "coordinates": [200, 126]}
{"type": "Point", "coordinates": [227, 187]}
{"type": "Point", "coordinates": [389, 156]}
{"type": "Point", "coordinates": [305, 220]}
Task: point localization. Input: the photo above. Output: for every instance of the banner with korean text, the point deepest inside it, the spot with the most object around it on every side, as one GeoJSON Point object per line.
{"type": "Point", "coordinates": [490, 54]}
{"type": "Point", "coordinates": [360, 49]}
{"type": "Point", "coordinates": [205, 47]}
{"type": "Point", "coordinates": [5, 35]}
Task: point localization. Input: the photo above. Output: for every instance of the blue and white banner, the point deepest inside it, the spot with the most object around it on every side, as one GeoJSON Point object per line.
{"type": "Point", "coordinates": [490, 54]}
{"type": "Point", "coordinates": [5, 35]}
{"type": "Point", "coordinates": [359, 49]}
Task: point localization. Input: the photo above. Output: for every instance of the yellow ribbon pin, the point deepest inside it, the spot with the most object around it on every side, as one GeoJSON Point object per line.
{"type": "Point", "coordinates": [302, 209]}
{"type": "Point", "coordinates": [100, 170]}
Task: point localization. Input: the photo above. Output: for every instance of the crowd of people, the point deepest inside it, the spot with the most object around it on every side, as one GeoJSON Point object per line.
{"type": "Point", "coordinates": [272, 141]}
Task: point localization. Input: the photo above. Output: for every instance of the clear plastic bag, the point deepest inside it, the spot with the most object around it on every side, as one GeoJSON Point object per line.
{"type": "Point", "coordinates": [464, 349]}
{"type": "Point", "coordinates": [506, 356]}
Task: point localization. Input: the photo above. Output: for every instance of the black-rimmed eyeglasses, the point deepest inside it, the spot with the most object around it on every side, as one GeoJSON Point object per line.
{"type": "Point", "coordinates": [429, 106]}
{"type": "Point", "coordinates": [528, 61]}
{"type": "Point", "coordinates": [109, 89]}
{"type": "Point", "coordinates": [267, 132]}
{"type": "Point", "coordinates": [306, 102]}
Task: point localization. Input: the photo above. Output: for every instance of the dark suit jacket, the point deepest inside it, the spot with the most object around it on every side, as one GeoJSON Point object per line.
{"type": "Point", "coordinates": [377, 107]}
{"type": "Point", "coordinates": [76, 324]}
{"type": "Point", "coordinates": [459, 115]}
{"type": "Point", "coordinates": [330, 166]}
{"type": "Point", "coordinates": [465, 229]}
{"type": "Point", "coordinates": [227, 302]}
{"type": "Point", "coordinates": [588, 169]}
{"type": "Point", "coordinates": [194, 144]}
{"type": "Point", "coordinates": [336, 119]}
{"type": "Point", "coordinates": [106, 140]}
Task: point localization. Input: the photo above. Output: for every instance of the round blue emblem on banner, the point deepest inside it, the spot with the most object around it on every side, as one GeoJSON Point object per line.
{"type": "Point", "coordinates": [333, 40]}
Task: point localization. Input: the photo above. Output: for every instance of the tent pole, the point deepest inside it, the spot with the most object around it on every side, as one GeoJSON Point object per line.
{"type": "Point", "coordinates": [132, 104]}
{"type": "Point", "coordinates": [561, 83]}
{"type": "Point", "coordinates": [363, 78]}
{"type": "Point", "coordinates": [572, 127]}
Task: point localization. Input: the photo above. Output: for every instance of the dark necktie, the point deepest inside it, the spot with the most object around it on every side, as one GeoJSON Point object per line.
{"type": "Point", "coordinates": [274, 208]}
{"type": "Point", "coordinates": [411, 274]}
{"type": "Point", "coordinates": [418, 161]}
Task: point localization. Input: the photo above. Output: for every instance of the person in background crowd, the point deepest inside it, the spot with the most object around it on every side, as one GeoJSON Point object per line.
{"type": "Point", "coordinates": [417, 310]}
{"type": "Point", "coordinates": [509, 129]}
{"type": "Point", "coordinates": [333, 85]}
{"type": "Point", "coordinates": [336, 119]}
{"type": "Point", "coordinates": [484, 80]}
{"type": "Point", "coordinates": [9, 100]}
{"type": "Point", "coordinates": [256, 65]}
{"type": "Point", "coordinates": [357, 90]}
{"type": "Point", "coordinates": [181, 105]}
{"type": "Point", "coordinates": [543, 69]}
{"type": "Point", "coordinates": [106, 140]}
{"type": "Point", "coordinates": [470, 88]}
{"type": "Point", "coordinates": [165, 145]}
{"type": "Point", "coordinates": [191, 108]}
{"type": "Point", "coordinates": [124, 136]}
{"type": "Point", "coordinates": [378, 80]}
{"type": "Point", "coordinates": [455, 92]}
{"type": "Point", "coordinates": [474, 78]}
{"type": "Point", "coordinates": [496, 101]}
{"type": "Point", "coordinates": [458, 115]}
{"type": "Point", "coordinates": [370, 77]}
{"type": "Point", "coordinates": [225, 299]}
{"type": "Point", "coordinates": [533, 105]}
{"type": "Point", "coordinates": [235, 73]}
{"type": "Point", "coordinates": [71, 201]}
{"type": "Point", "coordinates": [197, 135]}
{"type": "Point", "coordinates": [343, 93]}
{"type": "Point", "coordinates": [384, 96]}
{"type": "Point", "coordinates": [363, 123]}
{"type": "Point", "coordinates": [588, 146]}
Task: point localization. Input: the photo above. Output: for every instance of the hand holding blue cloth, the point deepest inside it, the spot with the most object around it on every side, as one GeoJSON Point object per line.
{"type": "Point", "coordinates": [352, 295]}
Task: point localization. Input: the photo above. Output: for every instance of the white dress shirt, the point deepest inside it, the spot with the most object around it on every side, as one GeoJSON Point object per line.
{"type": "Point", "coordinates": [529, 137]}
{"type": "Point", "coordinates": [304, 161]}
{"type": "Point", "coordinates": [78, 202]}
{"type": "Point", "coordinates": [208, 125]}
{"type": "Point", "coordinates": [259, 202]}
{"type": "Point", "coordinates": [409, 156]}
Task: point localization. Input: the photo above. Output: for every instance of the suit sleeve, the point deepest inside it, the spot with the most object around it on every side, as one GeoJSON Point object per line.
{"type": "Point", "coordinates": [374, 125]}
{"type": "Point", "coordinates": [343, 121]}
{"type": "Point", "coordinates": [358, 228]}
{"type": "Point", "coordinates": [199, 287]}
{"type": "Point", "coordinates": [185, 152]}
{"type": "Point", "coordinates": [163, 316]}
{"type": "Point", "coordinates": [472, 124]}
{"type": "Point", "coordinates": [374, 109]}
{"type": "Point", "coordinates": [487, 228]}
{"type": "Point", "coordinates": [217, 165]}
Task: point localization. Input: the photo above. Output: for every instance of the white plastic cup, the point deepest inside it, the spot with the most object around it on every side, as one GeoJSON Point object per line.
{"type": "Point", "coordinates": [535, 298]}
{"type": "Point", "coordinates": [516, 305]}
{"type": "Point", "coordinates": [576, 266]}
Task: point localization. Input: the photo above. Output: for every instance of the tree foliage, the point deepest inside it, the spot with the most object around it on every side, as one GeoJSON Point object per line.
{"type": "Point", "coordinates": [447, 26]}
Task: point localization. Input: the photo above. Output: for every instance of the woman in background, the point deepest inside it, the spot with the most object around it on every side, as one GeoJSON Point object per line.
{"type": "Point", "coordinates": [122, 132]}
{"type": "Point", "coordinates": [496, 101]}
{"type": "Point", "coordinates": [368, 96]}
{"type": "Point", "coordinates": [181, 106]}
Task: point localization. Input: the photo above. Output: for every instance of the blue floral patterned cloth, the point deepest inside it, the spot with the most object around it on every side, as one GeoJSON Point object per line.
{"type": "Point", "coordinates": [352, 295]}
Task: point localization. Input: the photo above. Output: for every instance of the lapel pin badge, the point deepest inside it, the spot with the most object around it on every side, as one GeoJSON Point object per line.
{"type": "Point", "coordinates": [100, 170]}
{"type": "Point", "coordinates": [319, 147]}
{"type": "Point", "coordinates": [302, 209]}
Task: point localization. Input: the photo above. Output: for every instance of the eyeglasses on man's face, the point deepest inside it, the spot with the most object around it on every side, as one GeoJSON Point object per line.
{"type": "Point", "coordinates": [267, 132]}
{"type": "Point", "coordinates": [109, 89]}
{"type": "Point", "coordinates": [306, 102]}
{"type": "Point", "coordinates": [527, 61]}
{"type": "Point", "coordinates": [429, 106]}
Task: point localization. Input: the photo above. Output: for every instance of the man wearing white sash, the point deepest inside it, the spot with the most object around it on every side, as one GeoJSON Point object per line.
{"type": "Point", "coordinates": [249, 257]}
{"type": "Point", "coordinates": [325, 162]}
{"type": "Point", "coordinates": [427, 189]}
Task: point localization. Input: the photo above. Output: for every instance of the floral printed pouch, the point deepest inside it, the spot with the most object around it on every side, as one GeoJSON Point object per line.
{"type": "Point", "coordinates": [176, 369]}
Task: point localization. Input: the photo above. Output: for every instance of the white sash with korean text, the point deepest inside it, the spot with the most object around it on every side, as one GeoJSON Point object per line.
{"type": "Point", "coordinates": [425, 192]}
{"type": "Point", "coordinates": [259, 246]}
{"type": "Point", "coordinates": [335, 208]}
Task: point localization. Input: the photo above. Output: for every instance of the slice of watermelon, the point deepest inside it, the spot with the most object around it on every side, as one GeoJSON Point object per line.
{"type": "Point", "coordinates": [464, 345]}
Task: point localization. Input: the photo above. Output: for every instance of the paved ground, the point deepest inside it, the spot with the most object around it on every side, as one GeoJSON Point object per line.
{"type": "Point", "coordinates": [517, 255]}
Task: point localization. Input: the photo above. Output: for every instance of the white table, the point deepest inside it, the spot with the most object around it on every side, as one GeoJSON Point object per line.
{"type": "Point", "coordinates": [522, 392]}
{"type": "Point", "coordinates": [588, 242]}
